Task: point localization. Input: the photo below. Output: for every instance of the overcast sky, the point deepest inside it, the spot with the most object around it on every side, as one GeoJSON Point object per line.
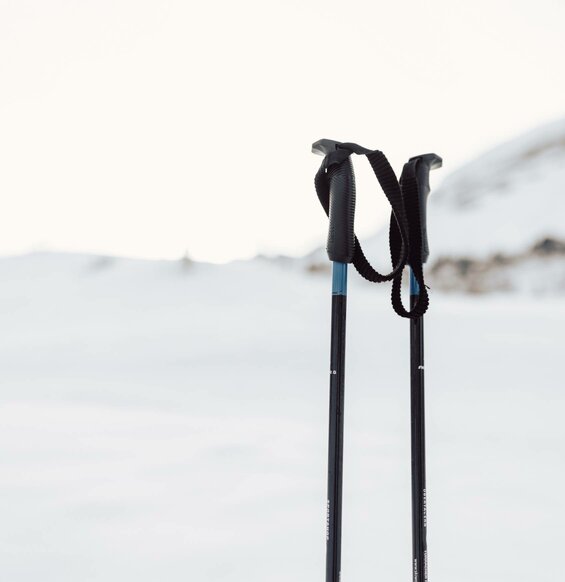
{"type": "Point", "coordinates": [151, 128]}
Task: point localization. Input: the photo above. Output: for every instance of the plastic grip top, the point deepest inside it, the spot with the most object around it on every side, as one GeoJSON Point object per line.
{"type": "Point", "coordinates": [341, 236]}
{"type": "Point", "coordinates": [424, 164]}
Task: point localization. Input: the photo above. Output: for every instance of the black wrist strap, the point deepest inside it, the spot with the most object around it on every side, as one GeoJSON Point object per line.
{"type": "Point", "coordinates": [405, 237]}
{"type": "Point", "coordinates": [411, 199]}
{"type": "Point", "coordinates": [389, 183]}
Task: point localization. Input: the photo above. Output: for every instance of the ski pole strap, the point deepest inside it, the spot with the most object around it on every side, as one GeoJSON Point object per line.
{"type": "Point", "coordinates": [411, 199]}
{"type": "Point", "coordinates": [335, 187]}
{"type": "Point", "coordinates": [415, 187]}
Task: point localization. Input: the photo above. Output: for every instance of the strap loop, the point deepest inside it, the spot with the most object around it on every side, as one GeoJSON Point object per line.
{"type": "Point", "coordinates": [405, 237]}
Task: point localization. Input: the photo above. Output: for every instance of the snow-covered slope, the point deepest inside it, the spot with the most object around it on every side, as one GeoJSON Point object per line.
{"type": "Point", "coordinates": [167, 421]}
{"type": "Point", "coordinates": [497, 223]}
{"type": "Point", "coordinates": [506, 200]}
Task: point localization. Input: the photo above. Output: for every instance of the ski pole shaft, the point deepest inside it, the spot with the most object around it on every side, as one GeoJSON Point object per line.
{"type": "Point", "coordinates": [335, 186]}
{"type": "Point", "coordinates": [424, 164]}
{"type": "Point", "coordinates": [418, 443]}
{"type": "Point", "coordinates": [335, 447]}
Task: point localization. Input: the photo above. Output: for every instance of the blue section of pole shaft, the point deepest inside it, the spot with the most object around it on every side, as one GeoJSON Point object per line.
{"type": "Point", "coordinates": [339, 278]}
{"type": "Point", "coordinates": [414, 286]}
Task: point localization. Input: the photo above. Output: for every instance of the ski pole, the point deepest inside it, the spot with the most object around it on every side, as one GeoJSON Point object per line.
{"type": "Point", "coordinates": [424, 164]}
{"type": "Point", "coordinates": [340, 247]}
{"type": "Point", "coordinates": [335, 187]}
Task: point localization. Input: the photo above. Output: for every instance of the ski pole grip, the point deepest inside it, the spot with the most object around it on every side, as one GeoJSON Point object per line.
{"type": "Point", "coordinates": [424, 164]}
{"type": "Point", "coordinates": [341, 180]}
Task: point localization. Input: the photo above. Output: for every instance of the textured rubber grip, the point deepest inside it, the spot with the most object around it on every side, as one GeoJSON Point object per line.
{"type": "Point", "coordinates": [424, 164]}
{"type": "Point", "coordinates": [341, 236]}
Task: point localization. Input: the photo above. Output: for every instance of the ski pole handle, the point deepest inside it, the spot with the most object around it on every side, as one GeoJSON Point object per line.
{"type": "Point", "coordinates": [341, 237]}
{"type": "Point", "coordinates": [424, 164]}
{"type": "Point", "coordinates": [341, 204]}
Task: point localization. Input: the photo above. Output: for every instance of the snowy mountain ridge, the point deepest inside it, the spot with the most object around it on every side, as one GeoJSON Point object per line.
{"type": "Point", "coordinates": [497, 169]}
{"type": "Point", "coordinates": [504, 201]}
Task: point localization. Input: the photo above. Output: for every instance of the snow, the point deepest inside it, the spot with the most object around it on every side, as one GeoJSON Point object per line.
{"type": "Point", "coordinates": [504, 201]}
{"type": "Point", "coordinates": [518, 212]}
{"type": "Point", "coordinates": [168, 422]}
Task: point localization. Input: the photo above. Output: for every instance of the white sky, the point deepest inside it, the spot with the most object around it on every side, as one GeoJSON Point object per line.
{"type": "Point", "coordinates": [147, 128]}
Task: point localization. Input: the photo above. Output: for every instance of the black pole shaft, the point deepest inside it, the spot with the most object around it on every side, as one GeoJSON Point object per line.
{"type": "Point", "coordinates": [418, 444]}
{"type": "Point", "coordinates": [335, 446]}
